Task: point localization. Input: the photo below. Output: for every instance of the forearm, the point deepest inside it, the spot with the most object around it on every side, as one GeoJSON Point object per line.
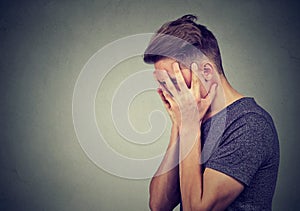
{"type": "Point", "coordinates": [190, 169]}
{"type": "Point", "coordinates": [164, 186]}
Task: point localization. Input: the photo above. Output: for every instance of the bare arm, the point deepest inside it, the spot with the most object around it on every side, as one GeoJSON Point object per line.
{"type": "Point", "coordinates": [212, 190]}
{"type": "Point", "coordinates": [164, 186]}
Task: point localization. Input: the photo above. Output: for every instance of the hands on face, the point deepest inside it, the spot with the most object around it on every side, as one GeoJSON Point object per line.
{"type": "Point", "coordinates": [184, 105]}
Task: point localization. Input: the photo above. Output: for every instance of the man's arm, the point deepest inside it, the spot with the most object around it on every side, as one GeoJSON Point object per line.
{"type": "Point", "coordinates": [164, 186]}
{"type": "Point", "coordinates": [212, 190]}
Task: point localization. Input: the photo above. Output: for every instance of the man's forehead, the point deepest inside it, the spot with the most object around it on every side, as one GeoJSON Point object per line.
{"type": "Point", "coordinates": [164, 64]}
{"type": "Point", "coordinates": [166, 60]}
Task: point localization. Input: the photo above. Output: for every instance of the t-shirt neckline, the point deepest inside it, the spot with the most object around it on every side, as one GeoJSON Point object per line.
{"type": "Point", "coordinates": [229, 107]}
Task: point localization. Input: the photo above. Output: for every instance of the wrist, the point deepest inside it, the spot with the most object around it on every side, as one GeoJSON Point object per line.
{"type": "Point", "coordinates": [175, 127]}
{"type": "Point", "coordinates": [174, 136]}
{"type": "Point", "coordinates": [189, 141]}
{"type": "Point", "coordinates": [187, 127]}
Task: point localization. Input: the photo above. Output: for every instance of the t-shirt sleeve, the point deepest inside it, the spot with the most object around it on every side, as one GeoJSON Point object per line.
{"type": "Point", "coordinates": [243, 148]}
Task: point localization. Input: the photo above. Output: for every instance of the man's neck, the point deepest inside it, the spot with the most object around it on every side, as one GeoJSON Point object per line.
{"type": "Point", "coordinates": [225, 96]}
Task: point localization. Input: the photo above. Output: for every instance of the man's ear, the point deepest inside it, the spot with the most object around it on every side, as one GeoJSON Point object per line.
{"type": "Point", "coordinates": [207, 71]}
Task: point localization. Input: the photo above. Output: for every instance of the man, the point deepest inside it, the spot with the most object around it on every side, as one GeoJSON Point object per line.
{"type": "Point", "coordinates": [223, 152]}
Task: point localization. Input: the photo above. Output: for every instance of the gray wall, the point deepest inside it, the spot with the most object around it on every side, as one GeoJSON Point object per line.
{"type": "Point", "coordinates": [45, 44]}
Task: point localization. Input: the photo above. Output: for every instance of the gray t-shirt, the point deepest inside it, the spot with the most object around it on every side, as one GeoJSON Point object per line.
{"type": "Point", "coordinates": [241, 141]}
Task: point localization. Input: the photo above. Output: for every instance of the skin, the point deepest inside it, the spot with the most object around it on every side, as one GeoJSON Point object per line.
{"type": "Point", "coordinates": [189, 104]}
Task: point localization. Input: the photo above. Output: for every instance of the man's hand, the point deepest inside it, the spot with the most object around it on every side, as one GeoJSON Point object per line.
{"type": "Point", "coordinates": [167, 105]}
{"type": "Point", "coordinates": [185, 105]}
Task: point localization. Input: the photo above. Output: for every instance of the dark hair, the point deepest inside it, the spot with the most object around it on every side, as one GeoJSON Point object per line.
{"type": "Point", "coordinates": [192, 34]}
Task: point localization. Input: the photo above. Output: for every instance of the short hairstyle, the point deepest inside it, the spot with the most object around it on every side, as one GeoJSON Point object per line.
{"type": "Point", "coordinates": [193, 34]}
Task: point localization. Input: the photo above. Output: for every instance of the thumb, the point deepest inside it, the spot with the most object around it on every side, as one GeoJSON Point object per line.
{"type": "Point", "coordinates": [211, 94]}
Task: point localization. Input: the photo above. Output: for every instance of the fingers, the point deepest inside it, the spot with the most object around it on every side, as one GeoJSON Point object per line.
{"type": "Point", "coordinates": [203, 91]}
{"type": "Point", "coordinates": [195, 84]}
{"type": "Point", "coordinates": [163, 78]}
{"type": "Point", "coordinates": [166, 97]}
{"type": "Point", "coordinates": [163, 98]}
{"type": "Point", "coordinates": [169, 99]}
{"type": "Point", "coordinates": [211, 94]}
{"type": "Point", "coordinates": [179, 78]}
{"type": "Point", "coordinates": [171, 85]}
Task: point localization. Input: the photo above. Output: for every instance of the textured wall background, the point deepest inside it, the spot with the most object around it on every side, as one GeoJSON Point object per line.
{"type": "Point", "coordinates": [44, 45]}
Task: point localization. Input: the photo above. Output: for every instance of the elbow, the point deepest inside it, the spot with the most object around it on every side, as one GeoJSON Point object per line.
{"type": "Point", "coordinates": [152, 203]}
{"type": "Point", "coordinates": [153, 199]}
{"type": "Point", "coordinates": [155, 204]}
{"type": "Point", "coordinates": [156, 199]}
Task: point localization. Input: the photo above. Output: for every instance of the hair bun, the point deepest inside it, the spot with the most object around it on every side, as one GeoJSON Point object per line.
{"type": "Point", "coordinates": [189, 17]}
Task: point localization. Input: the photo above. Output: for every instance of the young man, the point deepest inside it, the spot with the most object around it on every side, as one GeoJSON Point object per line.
{"type": "Point", "coordinates": [223, 152]}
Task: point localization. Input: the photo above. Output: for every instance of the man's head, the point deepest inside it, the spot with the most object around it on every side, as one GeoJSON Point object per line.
{"type": "Point", "coordinates": [189, 43]}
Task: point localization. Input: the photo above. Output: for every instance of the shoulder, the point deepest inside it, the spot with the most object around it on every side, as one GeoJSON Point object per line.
{"type": "Point", "coordinates": [248, 113]}
{"type": "Point", "coordinates": [251, 127]}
